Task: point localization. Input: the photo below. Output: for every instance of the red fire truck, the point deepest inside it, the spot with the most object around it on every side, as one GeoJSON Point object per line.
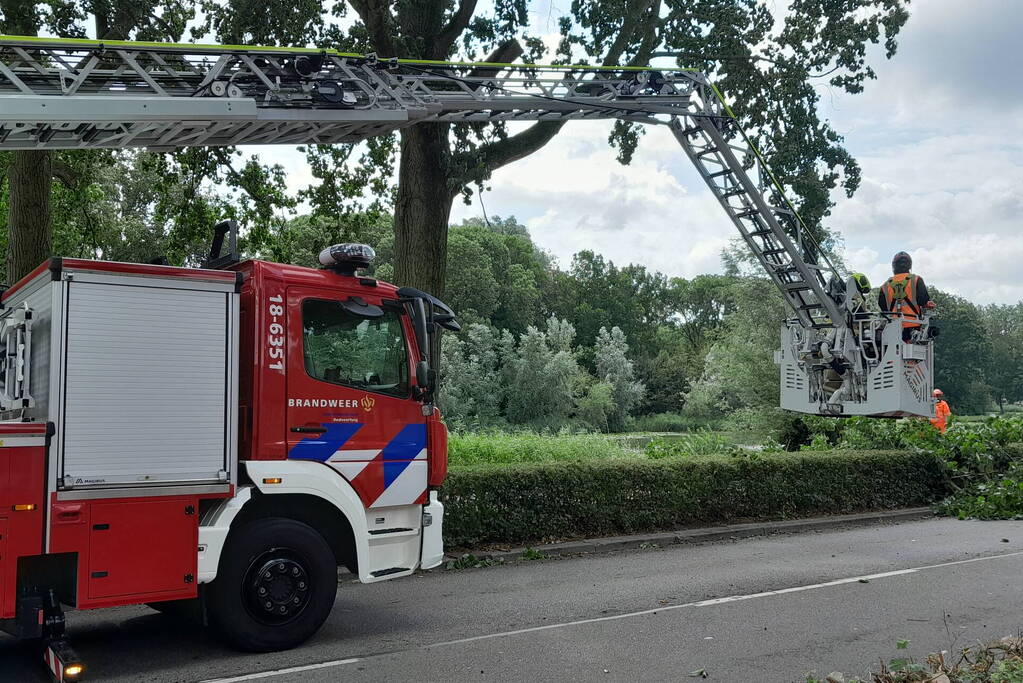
{"type": "Point", "coordinates": [227, 436]}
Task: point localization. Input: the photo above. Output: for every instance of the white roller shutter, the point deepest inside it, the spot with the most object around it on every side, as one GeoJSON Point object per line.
{"type": "Point", "coordinates": [146, 387]}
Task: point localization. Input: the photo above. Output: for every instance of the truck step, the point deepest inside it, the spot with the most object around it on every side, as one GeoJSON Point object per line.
{"type": "Point", "coordinates": [388, 572]}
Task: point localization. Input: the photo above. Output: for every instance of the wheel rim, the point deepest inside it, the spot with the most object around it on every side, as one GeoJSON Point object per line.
{"type": "Point", "coordinates": [277, 589]}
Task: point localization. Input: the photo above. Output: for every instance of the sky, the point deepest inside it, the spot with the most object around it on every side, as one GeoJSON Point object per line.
{"type": "Point", "coordinates": [939, 137]}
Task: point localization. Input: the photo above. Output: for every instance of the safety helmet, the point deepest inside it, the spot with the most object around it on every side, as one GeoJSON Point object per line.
{"type": "Point", "coordinates": [938, 393]}
{"type": "Point", "coordinates": [902, 262]}
{"type": "Point", "coordinates": [862, 283]}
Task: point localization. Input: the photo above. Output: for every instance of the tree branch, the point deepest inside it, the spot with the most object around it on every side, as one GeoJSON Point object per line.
{"type": "Point", "coordinates": [376, 15]}
{"type": "Point", "coordinates": [629, 25]}
{"type": "Point", "coordinates": [449, 34]}
{"type": "Point", "coordinates": [505, 53]}
{"type": "Point", "coordinates": [649, 42]}
{"type": "Point", "coordinates": [498, 153]}
{"type": "Point", "coordinates": [64, 173]}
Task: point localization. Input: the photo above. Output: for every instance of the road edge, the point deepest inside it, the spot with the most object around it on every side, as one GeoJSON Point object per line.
{"type": "Point", "coordinates": [695, 536]}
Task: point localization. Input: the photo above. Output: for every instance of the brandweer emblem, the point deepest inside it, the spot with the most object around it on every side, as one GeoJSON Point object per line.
{"type": "Point", "coordinates": [368, 402]}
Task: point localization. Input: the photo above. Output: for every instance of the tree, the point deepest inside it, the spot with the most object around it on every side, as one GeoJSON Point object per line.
{"type": "Point", "coordinates": [615, 369]}
{"type": "Point", "coordinates": [30, 173]}
{"type": "Point", "coordinates": [472, 390]}
{"type": "Point", "coordinates": [699, 307]}
{"type": "Point", "coordinates": [962, 353]}
{"type": "Point", "coordinates": [770, 73]}
{"type": "Point", "coordinates": [739, 371]}
{"type": "Point", "coordinates": [1004, 327]}
{"type": "Point", "coordinates": [544, 377]}
{"type": "Point", "coordinates": [599, 294]}
{"type": "Point", "coordinates": [495, 273]}
{"type": "Point", "coordinates": [768, 69]}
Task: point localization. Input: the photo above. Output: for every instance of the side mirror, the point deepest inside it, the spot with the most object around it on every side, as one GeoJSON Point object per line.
{"type": "Point", "coordinates": [424, 375]}
{"type": "Point", "coordinates": [419, 323]}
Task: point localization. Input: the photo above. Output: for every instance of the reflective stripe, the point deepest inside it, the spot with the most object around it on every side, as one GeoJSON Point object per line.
{"type": "Point", "coordinates": [21, 441]}
{"type": "Point", "coordinates": [906, 306]}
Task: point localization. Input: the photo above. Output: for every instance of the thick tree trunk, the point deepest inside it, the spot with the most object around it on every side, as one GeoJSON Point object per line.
{"type": "Point", "coordinates": [29, 175]}
{"type": "Point", "coordinates": [28, 217]}
{"type": "Point", "coordinates": [422, 208]}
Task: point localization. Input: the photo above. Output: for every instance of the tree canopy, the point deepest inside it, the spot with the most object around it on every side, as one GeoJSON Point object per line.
{"type": "Point", "coordinates": [769, 63]}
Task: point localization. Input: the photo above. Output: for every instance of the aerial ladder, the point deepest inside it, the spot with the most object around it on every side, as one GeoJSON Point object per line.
{"type": "Point", "coordinates": [836, 357]}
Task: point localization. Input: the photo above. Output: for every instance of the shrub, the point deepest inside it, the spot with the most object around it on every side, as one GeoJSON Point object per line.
{"type": "Point", "coordinates": [537, 502]}
{"type": "Point", "coordinates": [1000, 498]}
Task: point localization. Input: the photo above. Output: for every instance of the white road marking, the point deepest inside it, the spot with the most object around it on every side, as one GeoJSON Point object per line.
{"type": "Point", "coordinates": [627, 615]}
{"type": "Point", "coordinates": [281, 672]}
{"type": "Point", "coordinates": [719, 601]}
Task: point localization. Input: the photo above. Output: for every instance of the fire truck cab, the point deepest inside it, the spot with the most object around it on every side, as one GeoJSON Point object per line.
{"type": "Point", "coordinates": [216, 438]}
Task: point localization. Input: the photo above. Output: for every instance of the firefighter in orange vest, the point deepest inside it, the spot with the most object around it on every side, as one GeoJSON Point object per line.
{"type": "Point", "coordinates": [941, 412]}
{"type": "Point", "coordinates": [904, 293]}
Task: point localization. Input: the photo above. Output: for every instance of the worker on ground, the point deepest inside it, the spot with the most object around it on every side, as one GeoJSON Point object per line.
{"type": "Point", "coordinates": [941, 412]}
{"type": "Point", "coordinates": [904, 293]}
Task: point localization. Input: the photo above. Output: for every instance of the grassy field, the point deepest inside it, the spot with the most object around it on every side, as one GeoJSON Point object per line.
{"type": "Point", "coordinates": [500, 448]}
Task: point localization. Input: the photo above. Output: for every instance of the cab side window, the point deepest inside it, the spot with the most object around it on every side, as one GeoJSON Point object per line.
{"type": "Point", "coordinates": [353, 351]}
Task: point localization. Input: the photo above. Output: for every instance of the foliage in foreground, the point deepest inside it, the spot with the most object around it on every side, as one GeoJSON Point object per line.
{"type": "Point", "coordinates": [983, 460]}
{"type": "Point", "coordinates": [542, 501]}
{"type": "Point", "coordinates": [998, 662]}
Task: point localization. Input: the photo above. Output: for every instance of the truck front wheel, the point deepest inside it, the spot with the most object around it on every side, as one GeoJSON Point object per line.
{"type": "Point", "coordinates": [275, 585]}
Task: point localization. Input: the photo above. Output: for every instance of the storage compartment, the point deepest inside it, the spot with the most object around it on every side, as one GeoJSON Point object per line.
{"type": "Point", "coordinates": [145, 394]}
{"type": "Point", "coordinates": [137, 368]}
{"type": "Point", "coordinates": [142, 547]}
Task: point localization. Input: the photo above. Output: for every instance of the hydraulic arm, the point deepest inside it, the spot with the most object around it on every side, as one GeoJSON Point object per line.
{"type": "Point", "coordinates": [77, 94]}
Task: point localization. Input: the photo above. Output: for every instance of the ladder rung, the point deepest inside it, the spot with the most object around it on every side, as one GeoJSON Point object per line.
{"type": "Point", "coordinates": [774, 252]}
{"type": "Point", "coordinates": [735, 191]}
{"type": "Point", "coordinates": [795, 286]}
{"type": "Point", "coordinates": [718, 174]}
{"type": "Point", "coordinates": [705, 152]}
{"type": "Point", "coordinates": [747, 214]}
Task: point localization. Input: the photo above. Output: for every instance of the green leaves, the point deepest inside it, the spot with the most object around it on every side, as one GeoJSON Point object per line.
{"type": "Point", "coordinates": [536, 502]}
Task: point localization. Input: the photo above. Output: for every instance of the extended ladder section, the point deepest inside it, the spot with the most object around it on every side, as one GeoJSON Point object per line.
{"type": "Point", "coordinates": [81, 94]}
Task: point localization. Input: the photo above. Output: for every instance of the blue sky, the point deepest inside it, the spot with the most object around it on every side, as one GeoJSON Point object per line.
{"type": "Point", "coordinates": [939, 136]}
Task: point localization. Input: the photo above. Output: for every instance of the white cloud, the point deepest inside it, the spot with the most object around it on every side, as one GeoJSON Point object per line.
{"type": "Point", "coordinates": [574, 195]}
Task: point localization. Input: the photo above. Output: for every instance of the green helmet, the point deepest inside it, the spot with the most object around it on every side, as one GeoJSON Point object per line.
{"type": "Point", "coordinates": [862, 283]}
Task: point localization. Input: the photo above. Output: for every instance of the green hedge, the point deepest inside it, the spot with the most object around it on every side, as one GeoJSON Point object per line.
{"type": "Point", "coordinates": [538, 502]}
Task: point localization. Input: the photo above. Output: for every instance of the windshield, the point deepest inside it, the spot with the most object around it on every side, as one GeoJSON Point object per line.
{"type": "Point", "coordinates": [364, 353]}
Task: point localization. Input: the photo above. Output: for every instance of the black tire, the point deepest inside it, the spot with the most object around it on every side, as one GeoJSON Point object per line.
{"type": "Point", "coordinates": [275, 586]}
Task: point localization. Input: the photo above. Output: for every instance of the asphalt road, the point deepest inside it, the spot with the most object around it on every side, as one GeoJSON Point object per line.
{"type": "Point", "coordinates": [761, 609]}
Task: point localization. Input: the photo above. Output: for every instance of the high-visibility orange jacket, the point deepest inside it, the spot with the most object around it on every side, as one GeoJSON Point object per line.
{"type": "Point", "coordinates": [941, 414]}
{"type": "Point", "coordinates": [900, 295]}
